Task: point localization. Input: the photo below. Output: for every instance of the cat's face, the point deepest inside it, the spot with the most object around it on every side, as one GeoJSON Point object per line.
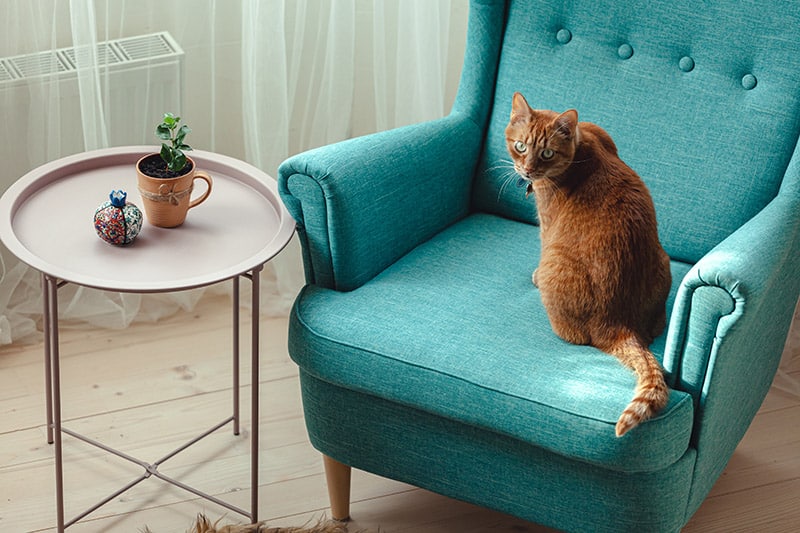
{"type": "Point", "coordinates": [542, 144]}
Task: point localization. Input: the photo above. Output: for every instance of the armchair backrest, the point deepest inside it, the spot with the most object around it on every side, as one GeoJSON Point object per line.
{"type": "Point", "coordinates": [701, 98]}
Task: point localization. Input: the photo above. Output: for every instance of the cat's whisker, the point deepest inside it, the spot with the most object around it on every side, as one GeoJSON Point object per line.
{"type": "Point", "coordinates": [506, 182]}
{"type": "Point", "coordinates": [507, 175]}
{"type": "Point", "coordinates": [502, 189]}
{"type": "Point", "coordinates": [504, 164]}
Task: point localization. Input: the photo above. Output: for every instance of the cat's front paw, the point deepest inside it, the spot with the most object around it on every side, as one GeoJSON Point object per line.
{"type": "Point", "coordinates": [534, 280]}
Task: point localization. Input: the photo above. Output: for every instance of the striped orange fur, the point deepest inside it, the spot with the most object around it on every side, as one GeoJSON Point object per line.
{"type": "Point", "coordinates": [603, 276]}
{"type": "Point", "coordinates": [651, 392]}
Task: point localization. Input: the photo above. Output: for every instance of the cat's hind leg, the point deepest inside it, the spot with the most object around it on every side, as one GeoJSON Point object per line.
{"type": "Point", "coordinates": [565, 326]}
{"type": "Point", "coordinates": [566, 294]}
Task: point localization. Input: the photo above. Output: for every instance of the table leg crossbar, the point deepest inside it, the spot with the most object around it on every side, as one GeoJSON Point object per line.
{"type": "Point", "coordinates": [151, 469]}
{"type": "Point", "coordinates": [55, 428]}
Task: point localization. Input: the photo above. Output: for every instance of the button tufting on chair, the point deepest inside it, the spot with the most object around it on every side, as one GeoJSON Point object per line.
{"type": "Point", "coordinates": [686, 64]}
{"type": "Point", "coordinates": [564, 36]}
{"type": "Point", "coordinates": [749, 81]}
{"type": "Point", "coordinates": [625, 51]}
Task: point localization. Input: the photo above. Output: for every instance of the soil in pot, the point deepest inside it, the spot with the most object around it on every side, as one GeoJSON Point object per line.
{"type": "Point", "coordinates": [155, 167]}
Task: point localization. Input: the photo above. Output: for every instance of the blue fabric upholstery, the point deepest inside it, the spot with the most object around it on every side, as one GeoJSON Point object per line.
{"type": "Point", "coordinates": [712, 149]}
{"type": "Point", "coordinates": [477, 295]}
{"type": "Point", "coordinates": [424, 350]}
{"type": "Point", "coordinates": [488, 468]}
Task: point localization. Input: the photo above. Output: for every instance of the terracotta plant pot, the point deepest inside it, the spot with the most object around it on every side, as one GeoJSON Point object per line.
{"type": "Point", "coordinates": [167, 200]}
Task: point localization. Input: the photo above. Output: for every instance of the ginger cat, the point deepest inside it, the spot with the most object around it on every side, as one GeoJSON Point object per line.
{"type": "Point", "coordinates": [603, 275]}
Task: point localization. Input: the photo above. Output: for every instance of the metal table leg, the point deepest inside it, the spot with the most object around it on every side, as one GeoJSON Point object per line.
{"type": "Point", "coordinates": [53, 388]}
{"type": "Point", "coordinates": [235, 330]}
{"type": "Point", "coordinates": [48, 375]}
{"type": "Point", "coordinates": [254, 396]}
{"type": "Point", "coordinates": [55, 430]}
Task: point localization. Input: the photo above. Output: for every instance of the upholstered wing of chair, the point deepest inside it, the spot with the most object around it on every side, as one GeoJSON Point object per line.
{"type": "Point", "coordinates": [425, 354]}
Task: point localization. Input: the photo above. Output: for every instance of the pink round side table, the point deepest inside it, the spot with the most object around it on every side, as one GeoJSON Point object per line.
{"type": "Point", "coordinates": [46, 221]}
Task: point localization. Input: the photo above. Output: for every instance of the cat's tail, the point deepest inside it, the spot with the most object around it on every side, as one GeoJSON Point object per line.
{"type": "Point", "coordinates": [651, 393]}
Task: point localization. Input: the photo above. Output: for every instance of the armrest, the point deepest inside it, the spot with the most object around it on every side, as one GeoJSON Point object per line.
{"type": "Point", "coordinates": [747, 286]}
{"type": "Point", "coordinates": [729, 323]}
{"type": "Point", "coordinates": [363, 203]}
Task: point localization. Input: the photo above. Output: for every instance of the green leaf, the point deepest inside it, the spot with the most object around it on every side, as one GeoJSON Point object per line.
{"type": "Point", "coordinates": [171, 120]}
{"type": "Point", "coordinates": [185, 147]}
{"type": "Point", "coordinates": [162, 132]}
{"type": "Point", "coordinates": [185, 129]}
{"type": "Point", "coordinates": [183, 132]}
{"type": "Point", "coordinates": [166, 154]}
{"type": "Point", "coordinates": [178, 163]}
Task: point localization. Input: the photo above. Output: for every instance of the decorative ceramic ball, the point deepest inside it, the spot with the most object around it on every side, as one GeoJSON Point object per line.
{"type": "Point", "coordinates": [116, 221]}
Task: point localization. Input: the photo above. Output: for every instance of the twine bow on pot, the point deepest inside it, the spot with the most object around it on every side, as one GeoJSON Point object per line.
{"type": "Point", "coordinates": [166, 194]}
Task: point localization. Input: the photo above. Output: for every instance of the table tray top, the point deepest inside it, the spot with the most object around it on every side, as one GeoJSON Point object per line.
{"type": "Point", "coordinates": [46, 220]}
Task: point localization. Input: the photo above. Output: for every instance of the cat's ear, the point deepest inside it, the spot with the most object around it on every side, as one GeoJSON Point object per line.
{"type": "Point", "coordinates": [520, 110]}
{"type": "Point", "coordinates": [567, 124]}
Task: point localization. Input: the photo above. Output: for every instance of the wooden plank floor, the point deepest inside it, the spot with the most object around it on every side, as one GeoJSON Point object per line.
{"type": "Point", "coordinates": [149, 388]}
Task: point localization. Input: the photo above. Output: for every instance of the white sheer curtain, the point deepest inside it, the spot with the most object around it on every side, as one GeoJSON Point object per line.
{"type": "Point", "coordinates": [263, 79]}
{"type": "Point", "coordinates": [410, 81]}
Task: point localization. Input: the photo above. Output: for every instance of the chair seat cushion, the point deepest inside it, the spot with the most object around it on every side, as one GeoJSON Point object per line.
{"type": "Point", "coordinates": [457, 329]}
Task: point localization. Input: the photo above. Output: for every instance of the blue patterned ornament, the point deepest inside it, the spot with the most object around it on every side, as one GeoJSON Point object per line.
{"type": "Point", "coordinates": [116, 221]}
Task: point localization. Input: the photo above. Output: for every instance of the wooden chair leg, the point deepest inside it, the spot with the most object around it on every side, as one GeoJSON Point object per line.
{"type": "Point", "coordinates": [338, 478]}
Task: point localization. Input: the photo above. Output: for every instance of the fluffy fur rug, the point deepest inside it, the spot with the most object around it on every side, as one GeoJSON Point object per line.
{"type": "Point", "coordinates": [204, 525]}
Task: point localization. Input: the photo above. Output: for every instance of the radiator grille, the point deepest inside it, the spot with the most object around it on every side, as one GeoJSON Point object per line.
{"type": "Point", "coordinates": [105, 55]}
{"type": "Point", "coordinates": [145, 47]}
{"type": "Point", "coordinates": [116, 53]}
{"type": "Point", "coordinates": [5, 75]}
{"type": "Point", "coordinates": [34, 65]}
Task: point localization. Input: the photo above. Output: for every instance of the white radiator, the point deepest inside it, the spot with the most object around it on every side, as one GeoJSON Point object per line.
{"type": "Point", "coordinates": [141, 78]}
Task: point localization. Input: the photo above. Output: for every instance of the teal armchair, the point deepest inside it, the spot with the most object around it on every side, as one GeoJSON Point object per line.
{"type": "Point", "coordinates": [424, 351]}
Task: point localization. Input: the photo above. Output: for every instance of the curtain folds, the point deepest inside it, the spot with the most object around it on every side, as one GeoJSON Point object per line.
{"type": "Point", "coordinates": [261, 80]}
{"type": "Point", "coordinates": [410, 57]}
{"type": "Point", "coordinates": [91, 96]}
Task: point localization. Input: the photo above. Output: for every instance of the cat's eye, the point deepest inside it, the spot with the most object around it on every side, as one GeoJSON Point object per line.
{"type": "Point", "coordinates": [520, 147]}
{"type": "Point", "coordinates": [546, 154]}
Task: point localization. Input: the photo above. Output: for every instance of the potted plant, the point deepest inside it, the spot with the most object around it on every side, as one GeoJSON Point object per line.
{"type": "Point", "coordinates": [166, 179]}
